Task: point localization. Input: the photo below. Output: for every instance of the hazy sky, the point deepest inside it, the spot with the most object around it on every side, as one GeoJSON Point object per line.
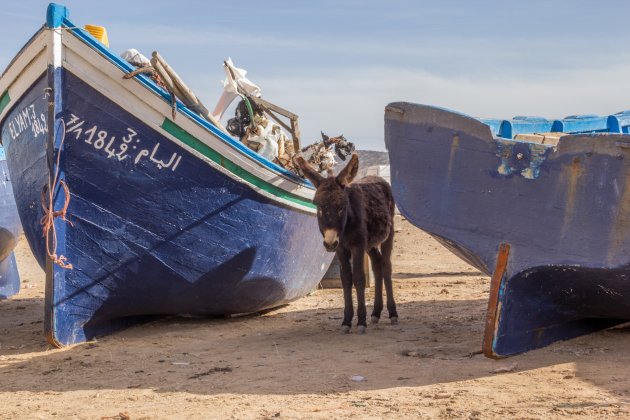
{"type": "Point", "coordinates": [338, 63]}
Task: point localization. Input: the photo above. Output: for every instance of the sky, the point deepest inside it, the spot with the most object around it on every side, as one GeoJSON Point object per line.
{"type": "Point", "coordinates": [337, 64]}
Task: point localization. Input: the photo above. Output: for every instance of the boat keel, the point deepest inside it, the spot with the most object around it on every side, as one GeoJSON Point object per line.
{"type": "Point", "coordinates": [545, 304]}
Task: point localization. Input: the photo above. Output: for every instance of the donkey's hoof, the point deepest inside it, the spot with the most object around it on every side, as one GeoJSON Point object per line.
{"type": "Point", "coordinates": [361, 329]}
{"type": "Point", "coordinates": [374, 319]}
{"type": "Point", "coordinates": [393, 320]}
{"type": "Point", "coordinates": [345, 329]}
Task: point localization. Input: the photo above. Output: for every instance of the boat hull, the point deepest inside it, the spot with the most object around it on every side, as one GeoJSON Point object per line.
{"type": "Point", "coordinates": [563, 213]}
{"type": "Point", "coordinates": [162, 216]}
{"type": "Point", "coordinates": [9, 233]}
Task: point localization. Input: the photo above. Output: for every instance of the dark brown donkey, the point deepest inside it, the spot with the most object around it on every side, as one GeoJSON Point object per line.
{"type": "Point", "coordinates": [355, 217]}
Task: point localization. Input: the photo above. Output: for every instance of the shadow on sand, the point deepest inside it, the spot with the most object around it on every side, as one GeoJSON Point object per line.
{"type": "Point", "coordinates": [288, 352]}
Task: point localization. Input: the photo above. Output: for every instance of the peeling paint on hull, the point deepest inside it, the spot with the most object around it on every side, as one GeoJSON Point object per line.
{"type": "Point", "coordinates": [148, 239]}
{"type": "Point", "coordinates": [562, 209]}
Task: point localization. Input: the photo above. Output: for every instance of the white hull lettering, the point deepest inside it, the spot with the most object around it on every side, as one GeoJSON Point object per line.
{"type": "Point", "coordinates": [117, 145]}
{"type": "Point", "coordinates": [28, 118]}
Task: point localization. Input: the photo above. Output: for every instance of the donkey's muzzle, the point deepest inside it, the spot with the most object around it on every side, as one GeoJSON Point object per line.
{"type": "Point", "coordinates": [331, 240]}
{"type": "Point", "coordinates": [331, 247]}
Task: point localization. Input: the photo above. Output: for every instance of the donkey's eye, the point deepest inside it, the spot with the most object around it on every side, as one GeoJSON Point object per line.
{"type": "Point", "coordinates": [340, 212]}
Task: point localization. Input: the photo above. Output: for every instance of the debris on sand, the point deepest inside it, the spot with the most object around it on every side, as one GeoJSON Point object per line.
{"type": "Point", "coordinates": [473, 353]}
{"type": "Point", "coordinates": [357, 378]}
{"type": "Point", "coordinates": [225, 369]}
{"type": "Point", "coordinates": [506, 369]}
{"type": "Point", "coordinates": [119, 416]}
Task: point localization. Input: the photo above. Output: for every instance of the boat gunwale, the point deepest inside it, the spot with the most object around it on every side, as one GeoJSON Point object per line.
{"type": "Point", "coordinates": [263, 181]}
{"type": "Point", "coordinates": [88, 39]}
{"type": "Point", "coordinates": [395, 108]}
{"type": "Point", "coordinates": [187, 133]}
{"type": "Point", "coordinates": [457, 121]}
{"type": "Point", "coordinates": [27, 55]}
{"type": "Point", "coordinates": [22, 50]}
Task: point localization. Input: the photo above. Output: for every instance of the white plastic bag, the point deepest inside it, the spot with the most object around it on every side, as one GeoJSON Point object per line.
{"type": "Point", "coordinates": [135, 58]}
{"type": "Point", "coordinates": [235, 82]}
{"type": "Point", "coordinates": [264, 139]}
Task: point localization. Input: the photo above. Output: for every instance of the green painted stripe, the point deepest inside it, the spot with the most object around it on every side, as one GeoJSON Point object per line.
{"type": "Point", "coordinates": [4, 100]}
{"type": "Point", "coordinates": [216, 157]}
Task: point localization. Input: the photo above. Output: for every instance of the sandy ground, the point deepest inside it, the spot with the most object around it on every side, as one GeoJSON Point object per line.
{"type": "Point", "coordinates": [294, 363]}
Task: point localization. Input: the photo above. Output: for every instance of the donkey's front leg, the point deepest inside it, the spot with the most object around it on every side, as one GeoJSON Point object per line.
{"type": "Point", "coordinates": [343, 255]}
{"type": "Point", "coordinates": [358, 277]}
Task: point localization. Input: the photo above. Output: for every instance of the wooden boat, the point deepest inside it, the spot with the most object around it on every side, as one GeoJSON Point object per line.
{"type": "Point", "coordinates": [164, 216]}
{"type": "Point", "coordinates": [9, 232]}
{"type": "Point", "coordinates": [541, 205]}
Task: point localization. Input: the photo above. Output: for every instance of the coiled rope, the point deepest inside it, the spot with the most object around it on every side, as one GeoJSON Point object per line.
{"type": "Point", "coordinates": [48, 220]}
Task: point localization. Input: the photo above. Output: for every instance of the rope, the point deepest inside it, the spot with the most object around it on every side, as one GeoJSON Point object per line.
{"type": "Point", "coordinates": [67, 28]}
{"type": "Point", "coordinates": [48, 220]}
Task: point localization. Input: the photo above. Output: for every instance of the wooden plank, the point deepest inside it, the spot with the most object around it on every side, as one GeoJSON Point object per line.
{"type": "Point", "coordinates": [181, 90]}
{"type": "Point", "coordinates": [266, 104]}
{"type": "Point", "coordinates": [532, 138]}
{"type": "Point", "coordinates": [543, 138]}
{"type": "Point", "coordinates": [271, 109]}
{"type": "Point", "coordinates": [279, 121]}
{"type": "Point", "coordinates": [295, 128]}
{"type": "Point", "coordinates": [492, 315]}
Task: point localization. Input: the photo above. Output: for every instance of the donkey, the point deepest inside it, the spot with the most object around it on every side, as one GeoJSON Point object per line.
{"type": "Point", "coordinates": [354, 218]}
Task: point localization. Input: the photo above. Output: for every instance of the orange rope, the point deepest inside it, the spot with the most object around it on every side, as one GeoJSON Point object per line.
{"type": "Point", "coordinates": [48, 221]}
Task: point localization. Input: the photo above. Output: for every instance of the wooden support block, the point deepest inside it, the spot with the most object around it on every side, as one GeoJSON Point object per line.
{"type": "Point", "coordinates": [332, 278]}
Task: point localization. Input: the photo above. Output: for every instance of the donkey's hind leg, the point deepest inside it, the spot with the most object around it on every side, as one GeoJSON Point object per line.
{"type": "Point", "coordinates": [376, 260]}
{"type": "Point", "coordinates": [386, 253]}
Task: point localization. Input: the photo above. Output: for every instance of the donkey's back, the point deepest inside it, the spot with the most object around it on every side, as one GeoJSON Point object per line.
{"type": "Point", "coordinates": [377, 200]}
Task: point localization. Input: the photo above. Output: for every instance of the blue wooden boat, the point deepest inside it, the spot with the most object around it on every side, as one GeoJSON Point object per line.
{"type": "Point", "coordinates": [163, 216]}
{"type": "Point", "coordinates": [9, 232]}
{"type": "Point", "coordinates": [541, 205]}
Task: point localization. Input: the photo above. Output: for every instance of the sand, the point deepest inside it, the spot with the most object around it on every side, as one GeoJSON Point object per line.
{"type": "Point", "coordinates": [293, 362]}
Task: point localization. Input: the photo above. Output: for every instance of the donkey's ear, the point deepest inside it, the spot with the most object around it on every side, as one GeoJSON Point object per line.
{"type": "Point", "coordinates": [324, 137]}
{"type": "Point", "coordinates": [308, 171]}
{"type": "Point", "coordinates": [348, 173]}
